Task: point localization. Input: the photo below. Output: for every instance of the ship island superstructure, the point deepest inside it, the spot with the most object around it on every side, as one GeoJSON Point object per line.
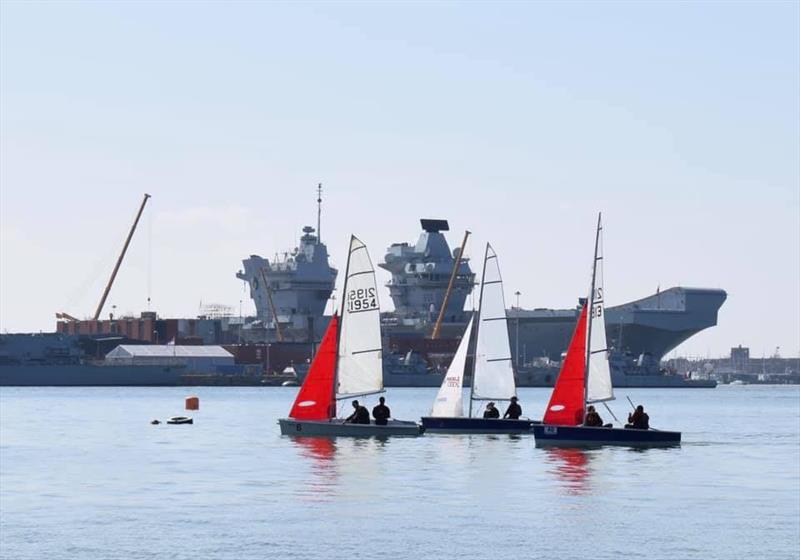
{"type": "Point", "coordinates": [290, 293]}
{"type": "Point", "coordinates": [420, 276]}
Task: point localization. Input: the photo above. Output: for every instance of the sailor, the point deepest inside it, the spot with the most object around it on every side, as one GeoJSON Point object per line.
{"type": "Point", "coordinates": [593, 418]}
{"type": "Point", "coordinates": [491, 411]}
{"type": "Point", "coordinates": [360, 415]}
{"type": "Point", "coordinates": [381, 413]}
{"type": "Point", "coordinates": [638, 420]}
{"type": "Point", "coordinates": [514, 410]}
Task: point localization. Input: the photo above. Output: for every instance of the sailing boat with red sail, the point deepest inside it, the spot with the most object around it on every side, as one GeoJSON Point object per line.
{"type": "Point", "coordinates": [585, 377]}
{"type": "Point", "coordinates": [348, 363]}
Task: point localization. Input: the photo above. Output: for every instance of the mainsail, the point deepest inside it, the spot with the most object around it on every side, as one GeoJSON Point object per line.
{"type": "Point", "coordinates": [449, 399]}
{"type": "Point", "coordinates": [360, 366]}
{"type": "Point", "coordinates": [566, 403]}
{"type": "Point", "coordinates": [493, 376]}
{"type": "Point", "coordinates": [598, 383]}
{"type": "Point", "coordinates": [315, 400]}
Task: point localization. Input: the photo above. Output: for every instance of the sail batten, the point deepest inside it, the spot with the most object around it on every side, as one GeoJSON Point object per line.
{"type": "Point", "coordinates": [493, 377]}
{"type": "Point", "coordinates": [360, 356]}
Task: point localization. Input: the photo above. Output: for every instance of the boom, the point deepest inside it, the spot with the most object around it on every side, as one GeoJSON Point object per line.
{"type": "Point", "coordinates": [119, 260]}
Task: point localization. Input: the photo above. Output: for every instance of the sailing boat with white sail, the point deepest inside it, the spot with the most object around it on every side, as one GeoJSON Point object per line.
{"type": "Point", "coordinates": [585, 378]}
{"type": "Point", "coordinates": [492, 367]}
{"type": "Point", "coordinates": [348, 362]}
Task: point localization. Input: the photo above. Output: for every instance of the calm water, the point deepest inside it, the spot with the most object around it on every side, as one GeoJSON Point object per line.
{"type": "Point", "coordinates": [84, 475]}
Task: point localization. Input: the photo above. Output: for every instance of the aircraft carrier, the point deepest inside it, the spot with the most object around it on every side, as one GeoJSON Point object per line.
{"type": "Point", "coordinates": [291, 291]}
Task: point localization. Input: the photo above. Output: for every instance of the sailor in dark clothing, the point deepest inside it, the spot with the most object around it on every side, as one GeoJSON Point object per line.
{"type": "Point", "coordinates": [592, 418]}
{"type": "Point", "coordinates": [639, 420]}
{"type": "Point", "coordinates": [491, 411]}
{"type": "Point", "coordinates": [360, 415]}
{"type": "Point", "coordinates": [381, 413]}
{"type": "Point", "coordinates": [514, 410]}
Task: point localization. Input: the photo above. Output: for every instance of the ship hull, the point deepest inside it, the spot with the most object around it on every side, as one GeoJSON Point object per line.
{"type": "Point", "coordinates": [83, 375]}
{"type": "Point", "coordinates": [445, 425]}
{"type": "Point", "coordinates": [338, 428]}
{"type": "Point", "coordinates": [586, 436]}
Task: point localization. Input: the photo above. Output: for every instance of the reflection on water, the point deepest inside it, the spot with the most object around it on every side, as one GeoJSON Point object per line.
{"type": "Point", "coordinates": [571, 467]}
{"type": "Point", "coordinates": [320, 453]}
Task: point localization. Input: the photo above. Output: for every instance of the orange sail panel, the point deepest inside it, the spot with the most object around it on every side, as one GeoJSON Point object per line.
{"type": "Point", "coordinates": [566, 403]}
{"type": "Point", "coordinates": [315, 399]}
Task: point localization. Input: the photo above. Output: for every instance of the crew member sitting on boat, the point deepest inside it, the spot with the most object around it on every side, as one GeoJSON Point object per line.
{"type": "Point", "coordinates": [514, 410]}
{"type": "Point", "coordinates": [359, 416]}
{"type": "Point", "coordinates": [593, 419]}
{"type": "Point", "coordinates": [491, 411]}
{"type": "Point", "coordinates": [639, 420]}
{"type": "Point", "coordinates": [381, 413]}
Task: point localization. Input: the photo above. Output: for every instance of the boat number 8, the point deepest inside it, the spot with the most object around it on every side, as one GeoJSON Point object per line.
{"type": "Point", "coordinates": [362, 299]}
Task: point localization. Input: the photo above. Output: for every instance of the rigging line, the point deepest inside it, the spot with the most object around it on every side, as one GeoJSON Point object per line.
{"type": "Point", "coordinates": [363, 310]}
{"type": "Point", "coordinates": [611, 412]}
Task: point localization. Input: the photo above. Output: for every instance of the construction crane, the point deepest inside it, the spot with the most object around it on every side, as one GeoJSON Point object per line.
{"type": "Point", "coordinates": [438, 326]}
{"type": "Point", "coordinates": [119, 260]}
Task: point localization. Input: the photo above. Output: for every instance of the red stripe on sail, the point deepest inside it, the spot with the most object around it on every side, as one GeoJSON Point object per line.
{"type": "Point", "coordinates": [566, 403]}
{"type": "Point", "coordinates": [315, 399]}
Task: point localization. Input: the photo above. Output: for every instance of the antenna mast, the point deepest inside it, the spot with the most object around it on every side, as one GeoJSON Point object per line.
{"type": "Point", "coordinates": [319, 212]}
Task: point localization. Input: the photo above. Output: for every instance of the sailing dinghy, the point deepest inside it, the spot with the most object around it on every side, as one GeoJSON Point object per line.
{"type": "Point", "coordinates": [585, 378]}
{"type": "Point", "coordinates": [492, 367]}
{"type": "Point", "coordinates": [348, 363]}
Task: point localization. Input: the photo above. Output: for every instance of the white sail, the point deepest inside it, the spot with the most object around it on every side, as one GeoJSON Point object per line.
{"type": "Point", "coordinates": [360, 360]}
{"type": "Point", "coordinates": [449, 399]}
{"type": "Point", "coordinates": [493, 378]}
{"type": "Point", "coordinates": [598, 383]}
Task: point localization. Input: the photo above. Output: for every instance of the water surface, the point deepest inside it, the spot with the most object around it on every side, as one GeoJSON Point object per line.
{"type": "Point", "coordinates": [84, 475]}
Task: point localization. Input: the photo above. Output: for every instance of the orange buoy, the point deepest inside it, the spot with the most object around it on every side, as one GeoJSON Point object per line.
{"type": "Point", "coordinates": [192, 403]}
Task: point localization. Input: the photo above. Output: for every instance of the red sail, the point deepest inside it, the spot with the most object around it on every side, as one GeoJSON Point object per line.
{"type": "Point", "coordinates": [566, 403]}
{"type": "Point", "coordinates": [315, 399]}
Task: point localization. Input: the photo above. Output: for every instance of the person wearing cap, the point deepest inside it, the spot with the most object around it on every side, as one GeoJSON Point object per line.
{"type": "Point", "coordinates": [514, 410]}
{"type": "Point", "coordinates": [491, 411]}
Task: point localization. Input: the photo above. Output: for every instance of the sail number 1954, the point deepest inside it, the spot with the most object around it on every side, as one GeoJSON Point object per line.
{"type": "Point", "coordinates": [362, 299]}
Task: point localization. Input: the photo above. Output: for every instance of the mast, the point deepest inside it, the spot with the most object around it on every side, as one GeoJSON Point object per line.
{"type": "Point", "coordinates": [591, 313]}
{"type": "Point", "coordinates": [341, 322]}
{"type": "Point", "coordinates": [119, 260]}
{"type": "Point", "coordinates": [319, 212]}
{"type": "Point", "coordinates": [453, 274]}
{"type": "Point", "coordinates": [477, 328]}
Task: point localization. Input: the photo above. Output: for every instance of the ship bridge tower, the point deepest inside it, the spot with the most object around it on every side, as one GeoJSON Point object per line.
{"type": "Point", "coordinates": [420, 275]}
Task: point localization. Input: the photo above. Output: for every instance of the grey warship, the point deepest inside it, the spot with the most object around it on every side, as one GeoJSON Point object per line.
{"type": "Point", "coordinates": [640, 333]}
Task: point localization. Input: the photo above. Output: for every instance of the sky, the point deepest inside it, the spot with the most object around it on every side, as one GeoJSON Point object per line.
{"type": "Point", "coordinates": [518, 121]}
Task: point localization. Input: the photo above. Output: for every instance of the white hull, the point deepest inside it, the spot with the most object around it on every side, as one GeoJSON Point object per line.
{"type": "Point", "coordinates": [338, 428]}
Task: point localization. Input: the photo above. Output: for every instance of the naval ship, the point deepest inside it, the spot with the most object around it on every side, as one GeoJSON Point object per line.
{"type": "Point", "coordinates": [639, 333]}
{"type": "Point", "coordinates": [291, 291]}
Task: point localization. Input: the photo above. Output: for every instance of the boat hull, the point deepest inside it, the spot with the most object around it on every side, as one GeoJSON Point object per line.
{"type": "Point", "coordinates": [460, 425]}
{"type": "Point", "coordinates": [586, 436]}
{"type": "Point", "coordinates": [338, 428]}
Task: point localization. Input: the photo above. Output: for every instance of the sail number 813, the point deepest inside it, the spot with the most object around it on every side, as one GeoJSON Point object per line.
{"type": "Point", "coordinates": [362, 299]}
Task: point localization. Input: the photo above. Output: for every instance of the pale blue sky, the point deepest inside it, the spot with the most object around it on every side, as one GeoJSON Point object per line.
{"type": "Point", "coordinates": [519, 121]}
